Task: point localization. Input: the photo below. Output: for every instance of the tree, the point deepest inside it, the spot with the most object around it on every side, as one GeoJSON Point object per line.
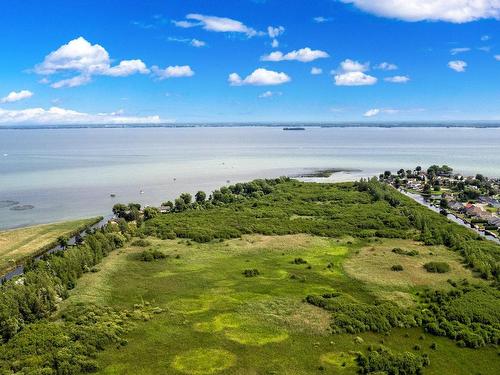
{"type": "Point", "coordinates": [120, 209]}
{"type": "Point", "coordinates": [150, 213]}
{"type": "Point", "coordinates": [187, 198]}
{"type": "Point", "coordinates": [418, 169]}
{"type": "Point", "coordinates": [200, 197]}
{"type": "Point", "coordinates": [387, 174]}
{"type": "Point", "coordinates": [180, 205]}
{"type": "Point", "coordinates": [63, 241]}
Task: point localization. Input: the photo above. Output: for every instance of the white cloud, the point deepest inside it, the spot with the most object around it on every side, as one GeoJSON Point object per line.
{"type": "Point", "coordinates": [302, 55]}
{"type": "Point", "coordinates": [172, 72]}
{"type": "Point", "coordinates": [14, 96]}
{"type": "Point", "coordinates": [386, 66]}
{"type": "Point", "coordinates": [275, 32]}
{"type": "Point", "coordinates": [352, 73]}
{"type": "Point", "coordinates": [322, 19]}
{"type": "Point", "coordinates": [270, 94]}
{"type": "Point", "coordinates": [349, 65]}
{"type": "Point", "coordinates": [456, 51]}
{"type": "Point", "coordinates": [497, 57]}
{"type": "Point", "coordinates": [216, 24]}
{"type": "Point", "coordinates": [458, 65]}
{"type": "Point", "coordinates": [485, 38]}
{"type": "Point", "coordinates": [486, 49]}
{"type": "Point", "coordinates": [260, 77]}
{"type": "Point", "coordinates": [127, 68]}
{"type": "Point", "coordinates": [397, 79]}
{"type": "Point", "coordinates": [275, 43]}
{"type": "Point", "coordinates": [193, 42]}
{"type": "Point", "coordinates": [87, 60]}
{"type": "Point", "coordinates": [354, 79]}
{"type": "Point", "coordinates": [61, 116]}
{"type": "Point", "coordinates": [456, 11]}
{"type": "Point", "coordinates": [197, 43]}
{"type": "Point", "coordinates": [72, 82]}
{"type": "Point", "coordinates": [316, 71]}
{"type": "Point", "coordinates": [372, 112]}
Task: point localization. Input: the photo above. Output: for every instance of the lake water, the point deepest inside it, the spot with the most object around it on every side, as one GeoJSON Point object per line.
{"type": "Point", "coordinates": [70, 173]}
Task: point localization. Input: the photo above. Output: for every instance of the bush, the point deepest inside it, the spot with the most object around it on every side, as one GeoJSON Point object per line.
{"type": "Point", "coordinates": [397, 268]}
{"type": "Point", "coordinates": [151, 255]}
{"type": "Point", "coordinates": [251, 272]}
{"type": "Point", "coordinates": [400, 251]}
{"type": "Point", "coordinates": [299, 261]}
{"type": "Point", "coordinates": [141, 243]}
{"type": "Point", "coordinates": [437, 267]}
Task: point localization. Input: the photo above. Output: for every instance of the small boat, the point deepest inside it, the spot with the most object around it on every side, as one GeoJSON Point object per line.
{"type": "Point", "coordinates": [112, 195]}
{"type": "Point", "coordinates": [294, 128]}
{"type": "Point", "coordinates": [142, 191]}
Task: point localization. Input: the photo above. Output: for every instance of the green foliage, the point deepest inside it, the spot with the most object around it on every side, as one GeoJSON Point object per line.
{"type": "Point", "coordinates": [383, 361]}
{"type": "Point", "coordinates": [251, 272]}
{"type": "Point", "coordinates": [34, 295]}
{"type": "Point", "coordinates": [397, 268]}
{"type": "Point", "coordinates": [437, 267]}
{"type": "Point", "coordinates": [410, 253]}
{"type": "Point", "coordinates": [299, 261]}
{"type": "Point", "coordinates": [151, 255]}
{"type": "Point", "coordinates": [141, 243]}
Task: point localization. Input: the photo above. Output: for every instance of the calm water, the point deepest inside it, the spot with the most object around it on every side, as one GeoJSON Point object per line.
{"type": "Point", "coordinates": [70, 173]}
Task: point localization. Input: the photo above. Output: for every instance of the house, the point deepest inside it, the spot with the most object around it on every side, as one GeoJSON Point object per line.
{"type": "Point", "coordinates": [471, 210]}
{"type": "Point", "coordinates": [456, 206]}
{"type": "Point", "coordinates": [494, 221]}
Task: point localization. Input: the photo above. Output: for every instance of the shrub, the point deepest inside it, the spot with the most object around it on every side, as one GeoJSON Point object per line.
{"type": "Point", "coordinates": [437, 267]}
{"type": "Point", "coordinates": [299, 261]}
{"type": "Point", "coordinates": [251, 272]}
{"type": "Point", "coordinates": [141, 243]}
{"type": "Point", "coordinates": [151, 255]}
{"type": "Point", "coordinates": [397, 268]}
{"type": "Point", "coordinates": [400, 251]}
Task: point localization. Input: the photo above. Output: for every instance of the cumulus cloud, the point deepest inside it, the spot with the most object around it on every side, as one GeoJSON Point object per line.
{"type": "Point", "coordinates": [372, 112]}
{"type": "Point", "coordinates": [352, 73]}
{"type": "Point", "coordinates": [275, 43]}
{"type": "Point", "coordinates": [275, 32]}
{"type": "Point", "coordinates": [456, 51]}
{"type": "Point", "coordinates": [216, 24]}
{"type": "Point", "coordinates": [497, 57]}
{"type": "Point", "coordinates": [386, 66]}
{"type": "Point", "coordinates": [302, 55]}
{"type": "Point", "coordinates": [87, 60]}
{"type": "Point", "coordinates": [321, 19]}
{"type": "Point", "coordinates": [458, 65]}
{"type": "Point", "coordinates": [349, 65]}
{"type": "Point", "coordinates": [397, 79]}
{"type": "Point", "coordinates": [260, 77]}
{"type": "Point", "coordinates": [14, 96]}
{"type": "Point", "coordinates": [172, 72]}
{"type": "Point", "coordinates": [193, 42]}
{"type": "Point", "coordinates": [354, 79]}
{"type": "Point", "coordinates": [269, 94]}
{"type": "Point", "coordinates": [456, 11]}
{"type": "Point", "coordinates": [316, 71]}
{"type": "Point", "coordinates": [61, 116]}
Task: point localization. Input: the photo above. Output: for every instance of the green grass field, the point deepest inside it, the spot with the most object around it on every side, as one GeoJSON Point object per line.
{"type": "Point", "coordinates": [17, 245]}
{"type": "Point", "coordinates": [213, 320]}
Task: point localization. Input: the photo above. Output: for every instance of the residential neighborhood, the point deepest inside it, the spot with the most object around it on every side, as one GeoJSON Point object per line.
{"type": "Point", "coordinates": [474, 199]}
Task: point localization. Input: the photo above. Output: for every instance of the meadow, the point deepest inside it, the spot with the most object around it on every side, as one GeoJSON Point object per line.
{"type": "Point", "coordinates": [17, 245]}
{"type": "Point", "coordinates": [267, 277]}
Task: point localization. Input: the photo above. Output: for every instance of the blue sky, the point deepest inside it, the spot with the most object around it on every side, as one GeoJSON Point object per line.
{"type": "Point", "coordinates": [249, 60]}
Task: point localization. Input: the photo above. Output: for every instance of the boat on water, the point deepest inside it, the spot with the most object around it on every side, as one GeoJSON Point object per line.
{"type": "Point", "coordinates": [294, 128]}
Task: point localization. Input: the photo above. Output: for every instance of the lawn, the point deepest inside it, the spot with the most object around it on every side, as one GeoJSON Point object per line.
{"type": "Point", "coordinates": [17, 245]}
{"type": "Point", "coordinates": [214, 320]}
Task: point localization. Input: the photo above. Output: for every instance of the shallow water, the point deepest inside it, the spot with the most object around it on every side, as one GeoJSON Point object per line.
{"type": "Point", "coordinates": [70, 173]}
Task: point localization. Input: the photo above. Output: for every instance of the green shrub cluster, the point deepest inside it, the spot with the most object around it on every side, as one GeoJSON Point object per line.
{"type": "Point", "coordinates": [383, 361]}
{"type": "Point", "coordinates": [437, 267]}
{"type": "Point", "coordinates": [34, 295]}
{"type": "Point", "coordinates": [151, 255]}
{"type": "Point", "coordinates": [299, 261]}
{"type": "Point", "coordinates": [141, 243]}
{"type": "Point", "coordinates": [251, 272]}
{"type": "Point", "coordinates": [355, 317]}
{"type": "Point", "coordinates": [410, 253]}
{"type": "Point", "coordinates": [397, 268]}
